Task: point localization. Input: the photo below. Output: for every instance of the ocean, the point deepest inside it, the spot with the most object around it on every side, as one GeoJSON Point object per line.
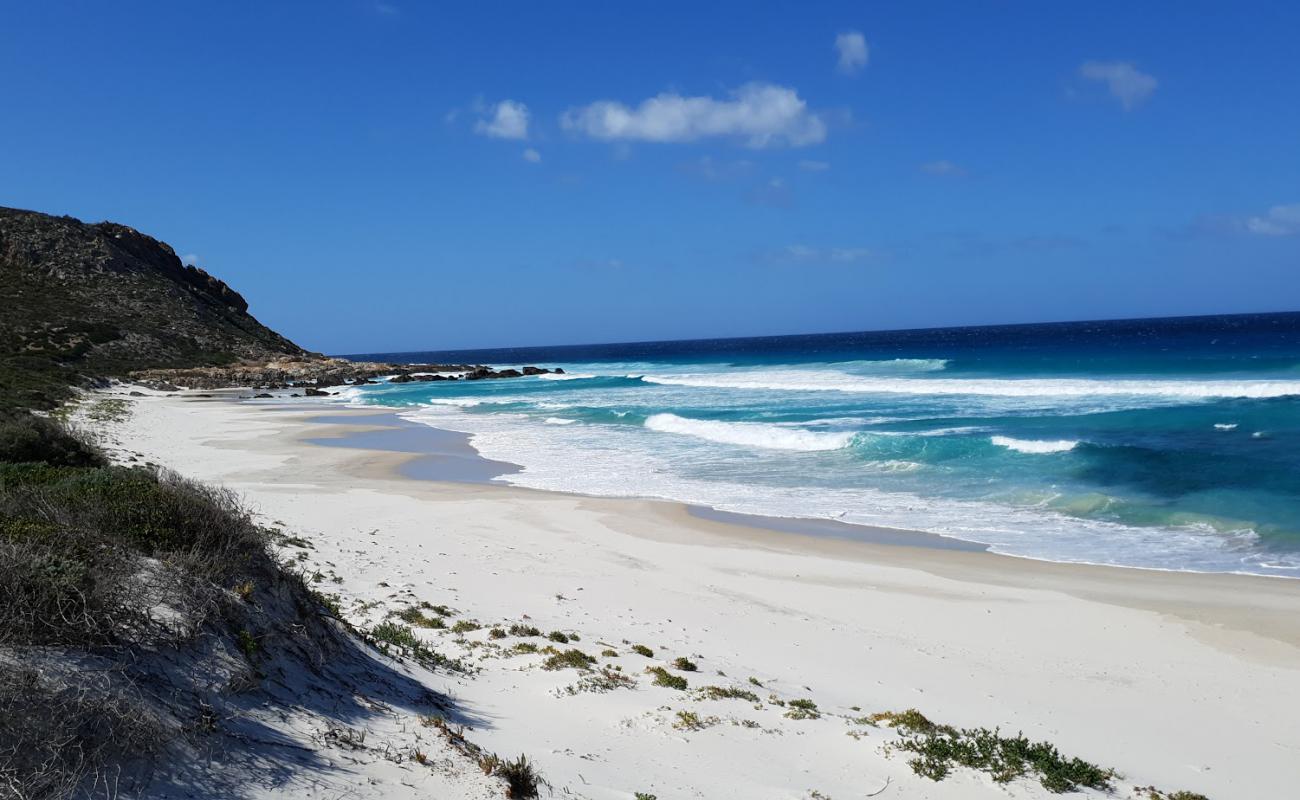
{"type": "Point", "coordinates": [1160, 443]}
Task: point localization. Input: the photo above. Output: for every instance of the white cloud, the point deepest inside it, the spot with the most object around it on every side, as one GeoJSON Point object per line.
{"type": "Point", "coordinates": [509, 120]}
{"type": "Point", "coordinates": [531, 155]}
{"type": "Point", "coordinates": [1277, 221]}
{"type": "Point", "coordinates": [709, 169]}
{"type": "Point", "coordinates": [804, 254]}
{"type": "Point", "coordinates": [814, 166]}
{"type": "Point", "coordinates": [190, 259]}
{"type": "Point", "coordinates": [943, 167]}
{"type": "Point", "coordinates": [852, 47]}
{"type": "Point", "coordinates": [760, 114]}
{"type": "Point", "coordinates": [1130, 86]}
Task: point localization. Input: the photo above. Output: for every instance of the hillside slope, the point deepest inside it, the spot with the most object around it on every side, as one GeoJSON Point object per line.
{"type": "Point", "coordinates": [99, 299]}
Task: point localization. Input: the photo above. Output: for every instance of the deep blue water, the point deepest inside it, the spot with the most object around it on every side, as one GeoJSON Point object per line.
{"type": "Point", "coordinates": [1170, 443]}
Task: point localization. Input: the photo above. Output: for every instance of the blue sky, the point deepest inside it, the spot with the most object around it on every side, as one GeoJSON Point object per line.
{"type": "Point", "coordinates": [400, 175]}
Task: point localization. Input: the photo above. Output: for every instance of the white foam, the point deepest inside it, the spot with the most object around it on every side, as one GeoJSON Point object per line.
{"type": "Point", "coordinates": [829, 381]}
{"type": "Point", "coordinates": [615, 461]}
{"type": "Point", "coordinates": [459, 402]}
{"type": "Point", "coordinates": [750, 434]}
{"type": "Point", "coordinates": [564, 376]}
{"type": "Point", "coordinates": [1225, 426]}
{"type": "Point", "coordinates": [1033, 445]}
{"type": "Point", "coordinates": [558, 421]}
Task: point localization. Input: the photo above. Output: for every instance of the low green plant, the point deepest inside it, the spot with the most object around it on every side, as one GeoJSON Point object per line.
{"type": "Point", "coordinates": [247, 643]}
{"type": "Point", "coordinates": [558, 636]}
{"type": "Point", "coordinates": [755, 681]}
{"type": "Point", "coordinates": [939, 748]}
{"type": "Point", "coordinates": [497, 633]}
{"type": "Point", "coordinates": [394, 634]}
{"type": "Point", "coordinates": [523, 630]}
{"type": "Point", "coordinates": [522, 778]}
{"type": "Point", "coordinates": [389, 634]}
{"type": "Point", "coordinates": [665, 678]}
{"type": "Point", "coordinates": [414, 616]}
{"type": "Point", "coordinates": [803, 709]}
{"type": "Point", "coordinates": [685, 664]}
{"type": "Point", "coordinates": [1152, 793]}
{"type": "Point", "coordinates": [607, 680]}
{"type": "Point", "coordinates": [569, 659]}
{"type": "Point", "coordinates": [524, 647]}
{"type": "Point", "coordinates": [690, 721]}
{"type": "Point", "coordinates": [644, 796]}
{"type": "Point", "coordinates": [727, 693]}
{"type": "Point", "coordinates": [607, 653]}
{"type": "Point", "coordinates": [465, 626]}
{"type": "Point", "coordinates": [642, 650]}
{"type": "Point", "coordinates": [440, 610]}
{"type": "Point", "coordinates": [109, 409]}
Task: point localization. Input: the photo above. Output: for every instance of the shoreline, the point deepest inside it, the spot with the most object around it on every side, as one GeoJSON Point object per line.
{"type": "Point", "coordinates": [468, 466]}
{"type": "Point", "coordinates": [917, 549]}
{"type": "Point", "coordinates": [446, 455]}
{"type": "Point", "coordinates": [1115, 665]}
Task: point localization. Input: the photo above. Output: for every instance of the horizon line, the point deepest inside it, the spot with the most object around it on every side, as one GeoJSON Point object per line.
{"type": "Point", "coordinates": [819, 333]}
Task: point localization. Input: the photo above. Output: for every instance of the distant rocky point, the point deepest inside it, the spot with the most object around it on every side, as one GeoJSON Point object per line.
{"type": "Point", "coordinates": [319, 372]}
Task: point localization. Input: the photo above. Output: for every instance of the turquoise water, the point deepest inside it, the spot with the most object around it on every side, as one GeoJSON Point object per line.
{"type": "Point", "coordinates": [1159, 443]}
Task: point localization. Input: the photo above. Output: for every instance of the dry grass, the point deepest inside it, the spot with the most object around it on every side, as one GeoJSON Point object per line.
{"type": "Point", "coordinates": [61, 735]}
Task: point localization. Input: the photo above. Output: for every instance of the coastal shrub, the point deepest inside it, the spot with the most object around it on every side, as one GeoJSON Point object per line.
{"type": "Point", "coordinates": [524, 630]}
{"type": "Point", "coordinates": [727, 693]}
{"type": "Point", "coordinates": [644, 796]}
{"type": "Point", "coordinates": [685, 664]}
{"type": "Point", "coordinates": [161, 516]}
{"type": "Point", "coordinates": [28, 438]}
{"type": "Point", "coordinates": [465, 626]}
{"type": "Point", "coordinates": [755, 681]}
{"type": "Point", "coordinates": [911, 720]}
{"type": "Point", "coordinates": [414, 616]}
{"type": "Point", "coordinates": [497, 633]}
{"type": "Point", "coordinates": [522, 778]}
{"type": "Point", "coordinates": [690, 721]}
{"type": "Point", "coordinates": [440, 610]}
{"type": "Point", "coordinates": [388, 634]}
{"type": "Point", "coordinates": [665, 678]}
{"type": "Point", "coordinates": [558, 636]}
{"type": "Point", "coordinates": [247, 643]}
{"type": "Point", "coordinates": [572, 658]}
{"type": "Point", "coordinates": [71, 542]}
{"type": "Point", "coordinates": [524, 647]}
{"type": "Point", "coordinates": [803, 709]}
{"type": "Point", "coordinates": [642, 650]}
{"type": "Point", "coordinates": [607, 680]}
{"type": "Point", "coordinates": [57, 735]}
{"type": "Point", "coordinates": [1152, 793]}
{"type": "Point", "coordinates": [607, 653]}
{"type": "Point", "coordinates": [394, 634]}
{"type": "Point", "coordinates": [939, 748]}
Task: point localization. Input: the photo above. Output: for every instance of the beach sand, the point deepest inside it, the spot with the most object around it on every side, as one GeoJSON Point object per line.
{"type": "Point", "coordinates": [1183, 681]}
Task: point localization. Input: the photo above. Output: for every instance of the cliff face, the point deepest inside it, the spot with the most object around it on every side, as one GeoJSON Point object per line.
{"type": "Point", "coordinates": [78, 299]}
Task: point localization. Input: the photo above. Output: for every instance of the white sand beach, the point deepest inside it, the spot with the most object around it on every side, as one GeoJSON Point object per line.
{"type": "Point", "coordinates": [1177, 680]}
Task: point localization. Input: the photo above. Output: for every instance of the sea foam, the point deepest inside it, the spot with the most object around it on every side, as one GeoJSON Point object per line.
{"type": "Point", "coordinates": [829, 381]}
{"type": "Point", "coordinates": [1033, 445]}
{"type": "Point", "coordinates": [750, 434]}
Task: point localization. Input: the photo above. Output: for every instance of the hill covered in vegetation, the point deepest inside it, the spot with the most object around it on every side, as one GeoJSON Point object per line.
{"type": "Point", "coordinates": [86, 300]}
